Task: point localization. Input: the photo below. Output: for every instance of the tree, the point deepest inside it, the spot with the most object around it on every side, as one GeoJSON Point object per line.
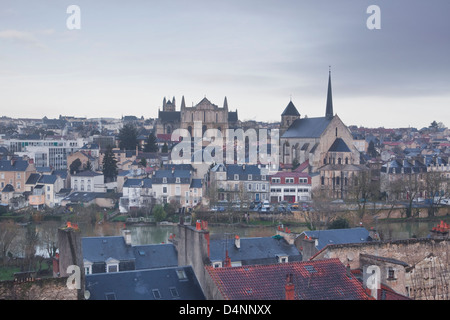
{"type": "Point", "coordinates": [8, 232]}
{"type": "Point", "coordinates": [436, 186]}
{"type": "Point", "coordinates": [295, 164]}
{"type": "Point", "coordinates": [109, 165]}
{"type": "Point", "coordinates": [88, 165]}
{"type": "Point", "coordinates": [143, 162]}
{"type": "Point", "coordinates": [339, 223]}
{"type": "Point", "coordinates": [158, 213]}
{"type": "Point", "coordinates": [371, 150]}
{"type": "Point", "coordinates": [128, 137]}
{"type": "Point", "coordinates": [151, 144]}
{"type": "Point", "coordinates": [75, 166]}
{"type": "Point", "coordinates": [165, 148]}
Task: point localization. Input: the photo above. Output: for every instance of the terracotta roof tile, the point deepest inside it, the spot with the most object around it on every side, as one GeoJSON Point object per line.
{"type": "Point", "coordinates": [313, 280]}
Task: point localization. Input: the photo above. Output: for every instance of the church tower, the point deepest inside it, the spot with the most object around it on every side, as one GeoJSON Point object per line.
{"type": "Point", "coordinates": [329, 109]}
{"type": "Point", "coordinates": [289, 115]}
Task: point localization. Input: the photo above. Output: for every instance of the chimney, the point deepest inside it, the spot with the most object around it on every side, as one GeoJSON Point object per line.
{"type": "Point", "coordinates": [237, 242]}
{"type": "Point", "coordinates": [289, 288]}
{"type": "Point", "coordinates": [70, 254]}
{"type": "Point", "coordinates": [349, 272]}
{"type": "Point", "coordinates": [227, 262]}
{"type": "Point", "coordinates": [127, 237]}
{"type": "Point", "coordinates": [307, 247]}
{"type": "Point", "coordinates": [198, 225]}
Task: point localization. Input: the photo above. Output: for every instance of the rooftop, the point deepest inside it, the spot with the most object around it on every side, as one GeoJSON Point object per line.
{"type": "Point", "coordinates": [313, 280]}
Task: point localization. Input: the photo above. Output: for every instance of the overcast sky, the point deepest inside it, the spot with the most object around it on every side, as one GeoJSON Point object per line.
{"type": "Point", "coordinates": [129, 55]}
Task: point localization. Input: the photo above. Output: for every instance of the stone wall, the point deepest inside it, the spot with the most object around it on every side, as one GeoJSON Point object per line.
{"type": "Point", "coordinates": [39, 289]}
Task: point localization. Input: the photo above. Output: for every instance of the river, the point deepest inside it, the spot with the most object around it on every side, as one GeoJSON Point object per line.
{"type": "Point", "coordinates": [153, 234]}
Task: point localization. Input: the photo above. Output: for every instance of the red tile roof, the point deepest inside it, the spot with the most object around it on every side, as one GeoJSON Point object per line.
{"type": "Point", "coordinates": [313, 280]}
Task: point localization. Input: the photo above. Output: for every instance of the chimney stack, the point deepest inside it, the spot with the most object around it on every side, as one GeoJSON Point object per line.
{"type": "Point", "coordinates": [127, 237]}
{"type": "Point", "coordinates": [237, 242]}
{"type": "Point", "coordinates": [289, 288]}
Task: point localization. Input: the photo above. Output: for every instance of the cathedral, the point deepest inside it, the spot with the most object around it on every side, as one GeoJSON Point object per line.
{"type": "Point", "coordinates": [210, 115]}
{"type": "Point", "coordinates": [325, 142]}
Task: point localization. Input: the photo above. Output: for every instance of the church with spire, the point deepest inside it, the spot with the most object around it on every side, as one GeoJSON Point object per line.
{"type": "Point", "coordinates": [325, 143]}
{"type": "Point", "coordinates": [210, 115]}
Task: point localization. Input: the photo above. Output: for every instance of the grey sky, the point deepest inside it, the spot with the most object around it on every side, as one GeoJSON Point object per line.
{"type": "Point", "coordinates": [128, 55]}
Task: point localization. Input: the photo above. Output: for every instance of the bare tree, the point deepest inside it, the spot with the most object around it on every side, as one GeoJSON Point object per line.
{"type": "Point", "coordinates": [8, 232]}
{"type": "Point", "coordinates": [436, 186]}
{"type": "Point", "coordinates": [321, 212]}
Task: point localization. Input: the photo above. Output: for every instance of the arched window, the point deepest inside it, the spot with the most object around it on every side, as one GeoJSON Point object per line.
{"type": "Point", "coordinates": [346, 160]}
{"type": "Point", "coordinates": [322, 180]}
{"type": "Point", "coordinates": [336, 132]}
{"type": "Point", "coordinates": [338, 180]}
{"type": "Point", "coordinates": [339, 161]}
{"type": "Point", "coordinates": [324, 160]}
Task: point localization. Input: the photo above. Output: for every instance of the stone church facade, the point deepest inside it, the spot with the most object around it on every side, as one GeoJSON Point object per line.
{"type": "Point", "coordinates": [210, 115]}
{"type": "Point", "coordinates": [326, 143]}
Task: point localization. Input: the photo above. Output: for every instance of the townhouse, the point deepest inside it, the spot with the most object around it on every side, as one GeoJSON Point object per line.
{"type": "Point", "coordinates": [291, 186]}
{"type": "Point", "coordinates": [239, 183]}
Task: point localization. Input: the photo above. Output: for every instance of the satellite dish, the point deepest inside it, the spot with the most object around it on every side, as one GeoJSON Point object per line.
{"type": "Point", "coordinates": [350, 256]}
{"type": "Point", "coordinates": [87, 294]}
{"type": "Point", "coordinates": [385, 156]}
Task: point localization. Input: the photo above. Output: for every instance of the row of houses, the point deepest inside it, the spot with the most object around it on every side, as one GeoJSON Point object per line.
{"type": "Point", "coordinates": [313, 265]}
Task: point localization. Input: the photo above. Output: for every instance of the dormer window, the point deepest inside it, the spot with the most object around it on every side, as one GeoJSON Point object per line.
{"type": "Point", "coordinates": [250, 177]}
{"type": "Point", "coordinates": [112, 265]}
{"type": "Point", "coordinates": [177, 180]}
{"type": "Point", "coordinates": [164, 180]}
{"type": "Point", "coordinates": [236, 177]}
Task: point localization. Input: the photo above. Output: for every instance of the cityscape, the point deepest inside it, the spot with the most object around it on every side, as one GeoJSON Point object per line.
{"type": "Point", "coordinates": [262, 190]}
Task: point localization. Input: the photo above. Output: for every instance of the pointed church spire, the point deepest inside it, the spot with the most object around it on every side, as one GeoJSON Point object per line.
{"type": "Point", "coordinates": [225, 103]}
{"type": "Point", "coordinates": [164, 103]}
{"type": "Point", "coordinates": [183, 104]}
{"type": "Point", "coordinates": [329, 110]}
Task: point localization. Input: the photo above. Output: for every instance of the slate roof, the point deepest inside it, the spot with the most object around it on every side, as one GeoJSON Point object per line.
{"type": "Point", "coordinates": [17, 165]}
{"type": "Point", "coordinates": [264, 250]}
{"type": "Point", "coordinates": [99, 249]}
{"type": "Point", "coordinates": [144, 183]}
{"type": "Point", "coordinates": [338, 236]}
{"type": "Point", "coordinates": [339, 145]}
{"type": "Point", "coordinates": [47, 179]}
{"type": "Point", "coordinates": [243, 171]}
{"type": "Point", "coordinates": [196, 183]}
{"type": "Point", "coordinates": [232, 116]}
{"type": "Point", "coordinates": [184, 176]}
{"type": "Point", "coordinates": [169, 116]}
{"type": "Point", "coordinates": [87, 173]}
{"type": "Point", "coordinates": [152, 284]}
{"type": "Point", "coordinates": [313, 280]}
{"type": "Point", "coordinates": [8, 188]}
{"type": "Point", "coordinates": [307, 128]}
{"type": "Point", "coordinates": [33, 178]}
{"type": "Point", "coordinates": [155, 256]}
{"type": "Point", "coordinates": [290, 110]}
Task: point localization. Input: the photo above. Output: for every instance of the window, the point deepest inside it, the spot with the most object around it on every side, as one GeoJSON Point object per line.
{"type": "Point", "coordinates": [391, 273]}
{"type": "Point", "coordinates": [289, 180]}
{"type": "Point", "coordinates": [112, 268]}
{"type": "Point", "coordinates": [250, 177]}
{"type": "Point", "coordinates": [275, 180]}
{"type": "Point", "coordinates": [236, 177]}
{"type": "Point", "coordinates": [177, 180]}
{"type": "Point", "coordinates": [181, 274]}
{"type": "Point", "coordinates": [18, 175]}
{"type": "Point", "coordinates": [164, 189]}
{"type": "Point", "coordinates": [263, 177]}
{"type": "Point", "coordinates": [164, 180]}
{"type": "Point", "coordinates": [156, 294]}
{"type": "Point", "coordinates": [110, 296]}
{"type": "Point", "coordinates": [249, 187]}
{"type": "Point", "coordinates": [174, 292]}
{"type": "Point", "coordinates": [178, 191]}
